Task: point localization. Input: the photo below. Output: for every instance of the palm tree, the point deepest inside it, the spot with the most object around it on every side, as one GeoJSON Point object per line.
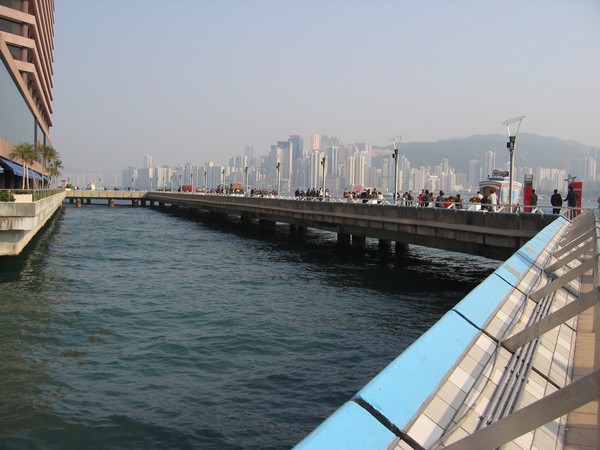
{"type": "Point", "coordinates": [27, 153]}
{"type": "Point", "coordinates": [48, 155]}
{"type": "Point", "coordinates": [54, 169]}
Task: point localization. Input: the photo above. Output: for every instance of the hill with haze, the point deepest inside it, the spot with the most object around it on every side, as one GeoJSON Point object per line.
{"type": "Point", "coordinates": [531, 151]}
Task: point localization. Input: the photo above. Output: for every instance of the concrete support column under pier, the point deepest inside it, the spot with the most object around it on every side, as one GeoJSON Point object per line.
{"type": "Point", "coordinates": [78, 203]}
{"type": "Point", "coordinates": [267, 225]}
{"type": "Point", "coordinates": [401, 248]}
{"type": "Point", "coordinates": [135, 203]}
{"type": "Point", "coordinates": [358, 241]}
{"type": "Point", "coordinates": [343, 239]}
{"type": "Point", "coordinates": [111, 202]}
{"type": "Point", "coordinates": [385, 245]}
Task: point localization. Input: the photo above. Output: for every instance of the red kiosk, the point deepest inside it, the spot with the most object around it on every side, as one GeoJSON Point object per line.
{"type": "Point", "coordinates": [527, 187]}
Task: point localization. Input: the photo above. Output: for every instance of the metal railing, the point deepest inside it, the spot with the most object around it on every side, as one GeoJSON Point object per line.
{"type": "Point", "coordinates": [577, 256]}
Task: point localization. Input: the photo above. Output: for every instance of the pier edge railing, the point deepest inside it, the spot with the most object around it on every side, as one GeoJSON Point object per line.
{"type": "Point", "coordinates": [580, 246]}
{"type": "Point", "coordinates": [541, 288]}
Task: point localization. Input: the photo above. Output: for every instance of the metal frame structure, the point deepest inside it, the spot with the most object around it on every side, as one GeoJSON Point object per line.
{"type": "Point", "coordinates": [578, 257]}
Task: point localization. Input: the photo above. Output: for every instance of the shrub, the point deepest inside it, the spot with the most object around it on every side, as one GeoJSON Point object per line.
{"type": "Point", "coordinates": [6, 196]}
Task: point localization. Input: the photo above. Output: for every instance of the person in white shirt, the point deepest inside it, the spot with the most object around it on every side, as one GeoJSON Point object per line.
{"type": "Point", "coordinates": [493, 200]}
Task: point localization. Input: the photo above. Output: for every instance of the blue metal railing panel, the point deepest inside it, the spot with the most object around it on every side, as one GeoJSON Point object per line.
{"type": "Point", "coordinates": [399, 390]}
{"type": "Point", "coordinates": [537, 244]}
{"type": "Point", "coordinates": [512, 270]}
{"type": "Point", "coordinates": [351, 427]}
{"type": "Point", "coordinates": [480, 305]}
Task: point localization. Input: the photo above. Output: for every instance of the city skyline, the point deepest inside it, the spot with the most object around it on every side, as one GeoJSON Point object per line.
{"type": "Point", "coordinates": [346, 166]}
{"type": "Point", "coordinates": [217, 76]}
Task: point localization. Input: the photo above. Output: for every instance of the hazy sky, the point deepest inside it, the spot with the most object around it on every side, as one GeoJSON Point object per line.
{"type": "Point", "coordinates": [193, 81]}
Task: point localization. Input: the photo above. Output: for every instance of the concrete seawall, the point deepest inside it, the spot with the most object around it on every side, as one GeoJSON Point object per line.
{"type": "Point", "coordinates": [20, 222]}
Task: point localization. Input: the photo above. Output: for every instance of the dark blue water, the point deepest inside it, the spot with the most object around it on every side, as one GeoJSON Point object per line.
{"type": "Point", "coordinates": [135, 328]}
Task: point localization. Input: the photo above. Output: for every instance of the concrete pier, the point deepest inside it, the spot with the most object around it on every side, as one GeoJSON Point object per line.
{"type": "Point", "coordinates": [494, 235]}
{"type": "Point", "coordinates": [20, 222]}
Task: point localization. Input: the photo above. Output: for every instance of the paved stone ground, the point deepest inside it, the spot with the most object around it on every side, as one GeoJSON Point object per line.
{"type": "Point", "coordinates": [581, 423]}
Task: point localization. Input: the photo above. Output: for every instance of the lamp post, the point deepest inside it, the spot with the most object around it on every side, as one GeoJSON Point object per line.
{"type": "Point", "coordinates": [512, 145]}
{"type": "Point", "coordinates": [205, 186]}
{"type": "Point", "coordinates": [278, 166]}
{"type": "Point", "coordinates": [132, 185]}
{"type": "Point", "coordinates": [192, 180]}
{"type": "Point", "coordinates": [395, 156]}
{"type": "Point", "coordinates": [180, 175]}
{"type": "Point", "coordinates": [246, 173]}
{"type": "Point", "coordinates": [223, 180]}
{"type": "Point", "coordinates": [324, 164]}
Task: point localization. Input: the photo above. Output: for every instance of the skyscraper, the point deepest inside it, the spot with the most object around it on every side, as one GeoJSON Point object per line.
{"type": "Point", "coordinates": [26, 69]}
{"type": "Point", "coordinates": [297, 146]}
{"type": "Point", "coordinates": [489, 164]}
{"type": "Point", "coordinates": [315, 142]}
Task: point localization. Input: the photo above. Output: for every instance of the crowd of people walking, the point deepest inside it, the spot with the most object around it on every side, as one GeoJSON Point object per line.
{"type": "Point", "coordinates": [427, 198]}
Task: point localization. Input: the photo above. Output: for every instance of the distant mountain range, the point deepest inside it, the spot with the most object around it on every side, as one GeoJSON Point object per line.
{"type": "Point", "coordinates": [532, 151]}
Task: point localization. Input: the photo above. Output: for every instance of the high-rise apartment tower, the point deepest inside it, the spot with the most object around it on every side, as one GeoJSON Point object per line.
{"type": "Point", "coordinates": [26, 71]}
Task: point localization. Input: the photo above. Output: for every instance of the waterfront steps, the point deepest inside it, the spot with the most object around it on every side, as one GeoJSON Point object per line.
{"type": "Point", "coordinates": [498, 369]}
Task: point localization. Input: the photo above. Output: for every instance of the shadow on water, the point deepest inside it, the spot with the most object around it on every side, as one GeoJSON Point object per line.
{"type": "Point", "coordinates": [382, 270]}
{"type": "Point", "coordinates": [26, 316]}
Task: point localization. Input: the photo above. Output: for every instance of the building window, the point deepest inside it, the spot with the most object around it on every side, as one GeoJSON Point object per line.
{"type": "Point", "coordinates": [15, 51]}
{"type": "Point", "coordinates": [10, 27]}
{"type": "Point", "coordinates": [14, 4]}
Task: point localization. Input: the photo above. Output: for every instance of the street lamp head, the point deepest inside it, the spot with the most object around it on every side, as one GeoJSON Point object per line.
{"type": "Point", "coordinates": [509, 122]}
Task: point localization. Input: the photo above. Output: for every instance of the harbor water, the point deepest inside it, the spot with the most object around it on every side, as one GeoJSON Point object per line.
{"type": "Point", "coordinates": [139, 328]}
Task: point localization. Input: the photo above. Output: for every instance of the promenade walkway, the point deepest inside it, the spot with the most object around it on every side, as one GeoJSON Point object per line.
{"type": "Point", "coordinates": [511, 366]}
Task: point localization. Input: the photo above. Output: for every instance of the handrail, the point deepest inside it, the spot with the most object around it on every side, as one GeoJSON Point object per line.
{"type": "Point", "coordinates": [584, 258]}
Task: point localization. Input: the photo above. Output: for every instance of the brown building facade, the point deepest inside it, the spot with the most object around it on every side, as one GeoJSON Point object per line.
{"type": "Point", "coordinates": [26, 73]}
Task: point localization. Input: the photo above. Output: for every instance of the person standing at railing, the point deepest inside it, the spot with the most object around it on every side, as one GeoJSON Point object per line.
{"type": "Point", "coordinates": [533, 200]}
{"type": "Point", "coordinates": [556, 200]}
{"type": "Point", "coordinates": [571, 202]}
{"type": "Point", "coordinates": [493, 200]}
{"type": "Point", "coordinates": [458, 202]}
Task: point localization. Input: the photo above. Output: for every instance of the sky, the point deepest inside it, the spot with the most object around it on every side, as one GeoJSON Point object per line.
{"type": "Point", "coordinates": [198, 80]}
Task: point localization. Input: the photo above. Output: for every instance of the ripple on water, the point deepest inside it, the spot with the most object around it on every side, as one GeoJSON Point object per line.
{"type": "Point", "coordinates": [132, 328]}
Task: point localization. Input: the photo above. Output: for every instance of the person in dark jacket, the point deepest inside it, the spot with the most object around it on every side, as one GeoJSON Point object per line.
{"type": "Point", "coordinates": [533, 200]}
{"type": "Point", "coordinates": [571, 202]}
{"type": "Point", "coordinates": [556, 200]}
